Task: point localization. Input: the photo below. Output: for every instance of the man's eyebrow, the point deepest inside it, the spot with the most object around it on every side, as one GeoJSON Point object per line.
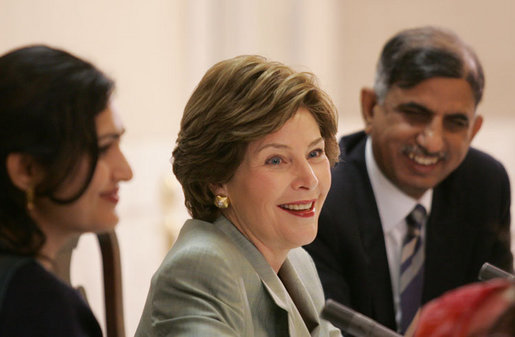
{"type": "Point", "coordinates": [413, 106]}
{"type": "Point", "coordinates": [422, 108]}
{"type": "Point", "coordinates": [459, 115]}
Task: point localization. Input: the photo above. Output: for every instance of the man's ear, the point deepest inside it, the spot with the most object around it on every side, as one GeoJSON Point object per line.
{"type": "Point", "coordinates": [478, 122]}
{"type": "Point", "coordinates": [22, 170]}
{"type": "Point", "coordinates": [368, 102]}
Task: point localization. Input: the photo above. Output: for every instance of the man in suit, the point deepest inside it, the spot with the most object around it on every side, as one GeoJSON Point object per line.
{"type": "Point", "coordinates": [420, 119]}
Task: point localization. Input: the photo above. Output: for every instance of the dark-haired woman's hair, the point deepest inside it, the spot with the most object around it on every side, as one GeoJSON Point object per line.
{"type": "Point", "coordinates": [48, 102]}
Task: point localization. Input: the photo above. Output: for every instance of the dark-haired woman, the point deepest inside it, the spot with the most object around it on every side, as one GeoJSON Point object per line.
{"type": "Point", "coordinates": [59, 173]}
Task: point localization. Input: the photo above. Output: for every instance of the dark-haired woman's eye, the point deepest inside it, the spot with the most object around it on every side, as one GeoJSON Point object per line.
{"type": "Point", "coordinates": [103, 149]}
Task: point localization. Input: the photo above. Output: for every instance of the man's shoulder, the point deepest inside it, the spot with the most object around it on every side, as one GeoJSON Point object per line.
{"type": "Point", "coordinates": [480, 178]}
{"type": "Point", "coordinates": [352, 142]}
{"type": "Point", "coordinates": [481, 156]}
{"type": "Point", "coordinates": [351, 167]}
{"type": "Point", "coordinates": [481, 164]}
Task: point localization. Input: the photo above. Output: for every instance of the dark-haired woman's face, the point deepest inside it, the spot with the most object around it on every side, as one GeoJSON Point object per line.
{"type": "Point", "coordinates": [95, 209]}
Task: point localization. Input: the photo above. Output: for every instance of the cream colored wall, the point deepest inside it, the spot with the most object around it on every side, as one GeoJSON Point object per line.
{"type": "Point", "coordinates": [157, 50]}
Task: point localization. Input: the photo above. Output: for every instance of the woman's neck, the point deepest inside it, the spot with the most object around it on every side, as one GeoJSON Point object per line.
{"type": "Point", "coordinates": [56, 237]}
{"type": "Point", "coordinates": [55, 242]}
{"type": "Point", "coordinates": [46, 262]}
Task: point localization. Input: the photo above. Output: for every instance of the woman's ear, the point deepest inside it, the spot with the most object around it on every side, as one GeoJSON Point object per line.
{"type": "Point", "coordinates": [218, 189]}
{"type": "Point", "coordinates": [22, 170]}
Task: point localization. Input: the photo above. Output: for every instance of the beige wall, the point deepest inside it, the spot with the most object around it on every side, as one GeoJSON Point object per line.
{"type": "Point", "coordinates": [157, 50]}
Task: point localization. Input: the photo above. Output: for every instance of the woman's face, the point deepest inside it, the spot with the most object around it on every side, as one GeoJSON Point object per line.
{"type": "Point", "coordinates": [278, 190]}
{"type": "Point", "coordinates": [95, 210]}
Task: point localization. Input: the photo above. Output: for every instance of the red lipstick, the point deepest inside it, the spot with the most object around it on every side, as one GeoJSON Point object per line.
{"type": "Point", "coordinates": [296, 208]}
{"type": "Point", "coordinates": [111, 196]}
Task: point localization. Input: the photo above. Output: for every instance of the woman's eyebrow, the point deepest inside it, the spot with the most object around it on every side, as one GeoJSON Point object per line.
{"type": "Point", "coordinates": [114, 135]}
{"type": "Point", "coordinates": [316, 141]}
{"type": "Point", "coordinates": [283, 146]}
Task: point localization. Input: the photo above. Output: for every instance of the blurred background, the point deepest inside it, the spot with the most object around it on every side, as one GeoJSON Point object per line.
{"type": "Point", "coordinates": [157, 50]}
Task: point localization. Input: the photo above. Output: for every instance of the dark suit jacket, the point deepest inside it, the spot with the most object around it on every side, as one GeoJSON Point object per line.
{"type": "Point", "coordinates": [469, 224]}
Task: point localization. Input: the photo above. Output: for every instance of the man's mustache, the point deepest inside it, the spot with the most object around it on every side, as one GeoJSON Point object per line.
{"type": "Point", "coordinates": [418, 150]}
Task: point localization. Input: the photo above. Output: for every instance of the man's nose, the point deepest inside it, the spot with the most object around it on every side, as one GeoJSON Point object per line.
{"type": "Point", "coordinates": [431, 137]}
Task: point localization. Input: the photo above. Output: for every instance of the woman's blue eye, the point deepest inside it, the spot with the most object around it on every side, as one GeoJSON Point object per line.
{"type": "Point", "coordinates": [274, 161]}
{"type": "Point", "coordinates": [315, 153]}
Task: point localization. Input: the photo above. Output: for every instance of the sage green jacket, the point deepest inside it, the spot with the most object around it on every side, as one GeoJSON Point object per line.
{"type": "Point", "coordinates": [214, 282]}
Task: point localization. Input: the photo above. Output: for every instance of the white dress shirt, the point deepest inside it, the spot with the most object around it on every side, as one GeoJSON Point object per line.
{"type": "Point", "coordinates": [393, 206]}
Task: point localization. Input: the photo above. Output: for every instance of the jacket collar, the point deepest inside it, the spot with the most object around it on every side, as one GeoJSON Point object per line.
{"type": "Point", "coordinates": [277, 284]}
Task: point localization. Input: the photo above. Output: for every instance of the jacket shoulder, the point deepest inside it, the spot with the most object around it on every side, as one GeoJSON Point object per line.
{"type": "Point", "coordinates": [480, 170]}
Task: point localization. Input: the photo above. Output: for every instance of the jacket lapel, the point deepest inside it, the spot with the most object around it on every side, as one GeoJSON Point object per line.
{"type": "Point", "coordinates": [282, 299]}
{"type": "Point", "coordinates": [300, 296]}
{"type": "Point", "coordinates": [448, 245]}
{"type": "Point", "coordinates": [372, 238]}
{"type": "Point", "coordinates": [271, 281]}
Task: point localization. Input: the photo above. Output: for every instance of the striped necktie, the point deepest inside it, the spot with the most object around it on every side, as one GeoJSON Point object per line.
{"type": "Point", "coordinates": [412, 267]}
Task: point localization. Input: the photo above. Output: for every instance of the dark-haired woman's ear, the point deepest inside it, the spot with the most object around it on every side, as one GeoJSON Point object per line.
{"type": "Point", "coordinates": [23, 171]}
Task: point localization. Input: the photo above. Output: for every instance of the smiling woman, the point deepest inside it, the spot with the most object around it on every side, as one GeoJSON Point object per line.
{"type": "Point", "coordinates": [253, 156]}
{"type": "Point", "coordinates": [278, 190]}
{"type": "Point", "coordinates": [60, 168]}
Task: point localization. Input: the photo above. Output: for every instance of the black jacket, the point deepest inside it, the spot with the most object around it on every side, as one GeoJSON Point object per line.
{"type": "Point", "coordinates": [35, 303]}
{"type": "Point", "coordinates": [469, 224]}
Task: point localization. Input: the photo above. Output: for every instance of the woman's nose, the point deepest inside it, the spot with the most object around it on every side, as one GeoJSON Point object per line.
{"type": "Point", "coordinates": [123, 170]}
{"type": "Point", "coordinates": [305, 177]}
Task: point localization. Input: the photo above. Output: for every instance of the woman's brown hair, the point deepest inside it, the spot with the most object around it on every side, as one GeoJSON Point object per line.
{"type": "Point", "coordinates": [240, 100]}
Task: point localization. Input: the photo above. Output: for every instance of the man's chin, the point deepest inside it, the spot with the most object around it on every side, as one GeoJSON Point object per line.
{"type": "Point", "coordinates": [416, 187]}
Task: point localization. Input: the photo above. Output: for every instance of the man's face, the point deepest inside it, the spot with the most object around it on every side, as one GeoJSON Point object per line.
{"type": "Point", "coordinates": [421, 134]}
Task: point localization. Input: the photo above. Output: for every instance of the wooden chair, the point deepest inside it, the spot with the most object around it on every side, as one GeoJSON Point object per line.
{"type": "Point", "coordinates": [112, 275]}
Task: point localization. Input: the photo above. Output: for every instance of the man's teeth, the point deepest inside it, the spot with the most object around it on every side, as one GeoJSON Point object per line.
{"type": "Point", "coordinates": [297, 207]}
{"type": "Point", "coordinates": [423, 160]}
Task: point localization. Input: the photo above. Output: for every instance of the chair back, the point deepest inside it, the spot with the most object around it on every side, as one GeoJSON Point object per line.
{"type": "Point", "coordinates": [112, 276]}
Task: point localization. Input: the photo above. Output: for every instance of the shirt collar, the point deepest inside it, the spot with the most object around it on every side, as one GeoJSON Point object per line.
{"type": "Point", "coordinates": [393, 204]}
